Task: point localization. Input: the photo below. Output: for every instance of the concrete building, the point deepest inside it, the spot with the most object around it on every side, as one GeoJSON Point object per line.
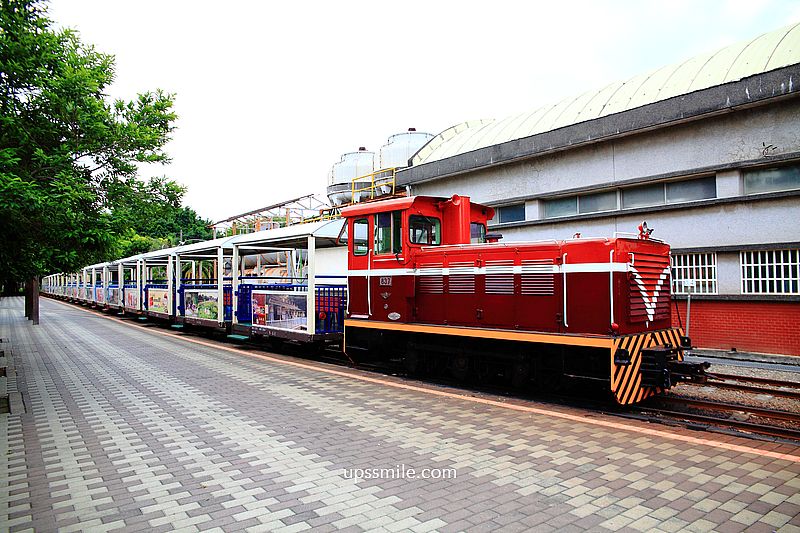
{"type": "Point", "coordinates": [706, 151]}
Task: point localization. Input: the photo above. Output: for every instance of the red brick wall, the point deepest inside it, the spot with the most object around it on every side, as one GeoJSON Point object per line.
{"type": "Point", "coordinates": [763, 327]}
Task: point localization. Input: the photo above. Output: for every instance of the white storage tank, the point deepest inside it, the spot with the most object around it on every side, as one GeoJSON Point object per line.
{"type": "Point", "coordinates": [400, 147]}
{"type": "Point", "coordinates": [352, 165]}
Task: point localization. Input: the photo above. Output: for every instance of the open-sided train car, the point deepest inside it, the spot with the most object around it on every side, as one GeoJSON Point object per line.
{"type": "Point", "coordinates": [203, 295]}
{"type": "Point", "coordinates": [290, 283]}
{"type": "Point", "coordinates": [426, 288]}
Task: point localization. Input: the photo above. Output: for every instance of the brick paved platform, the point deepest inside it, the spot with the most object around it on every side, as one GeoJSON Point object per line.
{"type": "Point", "coordinates": [130, 428]}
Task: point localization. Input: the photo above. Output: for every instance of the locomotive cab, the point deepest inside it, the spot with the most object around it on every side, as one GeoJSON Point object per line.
{"type": "Point", "coordinates": [384, 240]}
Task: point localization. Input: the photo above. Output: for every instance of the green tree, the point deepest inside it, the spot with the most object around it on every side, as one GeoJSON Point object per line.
{"type": "Point", "coordinates": [65, 150]}
{"type": "Point", "coordinates": [154, 210]}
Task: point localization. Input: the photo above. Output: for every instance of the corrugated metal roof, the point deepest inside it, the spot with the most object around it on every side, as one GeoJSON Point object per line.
{"type": "Point", "coordinates": [767, 52]}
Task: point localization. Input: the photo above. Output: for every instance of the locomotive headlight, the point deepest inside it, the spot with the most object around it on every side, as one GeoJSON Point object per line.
{"type": "Point", "coordinates": [615, 328]}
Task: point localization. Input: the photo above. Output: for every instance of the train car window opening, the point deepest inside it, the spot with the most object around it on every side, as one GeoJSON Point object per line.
{"type": "Point", "coordinates": [361, 236]}
{"type": "Point", "coordinates": [477, 233]}
{"type": "Point", "coordinates": [388, 231]}
{"type": "Point", "coordinates": [424, 230]}
{"type": "Point", "coordinates": [342, 238]}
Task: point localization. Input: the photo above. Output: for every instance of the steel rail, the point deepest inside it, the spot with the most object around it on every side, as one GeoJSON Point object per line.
{"type": "Point", "coordinates": [753, 379]}
{"type": "Point", "coordinates": [722, 381]}
{"type": "Point", "coordinates": [760, 429]}
{"type": "Point", "coordinates": [732, 407]}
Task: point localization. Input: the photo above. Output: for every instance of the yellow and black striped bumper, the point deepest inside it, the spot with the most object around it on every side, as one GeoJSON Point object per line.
{"type": "Point", "coordinates": [626, 380]}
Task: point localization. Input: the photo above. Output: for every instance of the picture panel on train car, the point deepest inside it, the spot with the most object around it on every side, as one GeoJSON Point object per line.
{"type": "Point", "coordinates": [281, 310]}
{"type": "Point", "coordinates": [132, 298]}
{"type": "Point", "coordinates": [201, 304]}
{"type": "Point", "coordinates": [158, 301]}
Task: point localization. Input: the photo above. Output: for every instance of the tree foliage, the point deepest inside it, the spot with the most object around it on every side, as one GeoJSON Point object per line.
{"type": "Point", "coordinates": [149, 215]}
{"type": "Point", "coordinates": [69, 157]}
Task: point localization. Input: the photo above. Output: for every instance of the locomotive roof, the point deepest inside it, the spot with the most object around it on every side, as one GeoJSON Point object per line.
{"type": "Point", "coordinates": [395, 204]}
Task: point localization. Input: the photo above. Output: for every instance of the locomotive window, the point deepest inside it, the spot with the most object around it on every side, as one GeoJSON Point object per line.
{"type": "Point", "coordinates": [477, 233]}
{"type": "Point", "coordinates": [361, 236]}
{"type": "Point", "coordinates": [424, 230]}
{"type": "Point", "coordinates": [342, 239]}
{"type": "Point", "coordinates": [387, 233]}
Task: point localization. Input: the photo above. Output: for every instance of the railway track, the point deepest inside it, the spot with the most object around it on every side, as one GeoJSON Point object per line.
{"type": "Point", "coordinates": [755, 385]}
{"type": "Point", "coordinates": [713, 414]}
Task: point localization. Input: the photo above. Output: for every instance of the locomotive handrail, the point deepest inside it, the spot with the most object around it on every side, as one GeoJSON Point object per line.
{"type": "Point", "coordinates": [564, 278]}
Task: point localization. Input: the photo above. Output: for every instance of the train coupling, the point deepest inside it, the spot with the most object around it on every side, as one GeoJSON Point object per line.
{"type": "Point", "coordinates": [661, 367]}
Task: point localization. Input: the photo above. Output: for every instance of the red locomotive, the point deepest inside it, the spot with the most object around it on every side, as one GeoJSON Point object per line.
{"type": "Point", "coordinates": [427, 286]}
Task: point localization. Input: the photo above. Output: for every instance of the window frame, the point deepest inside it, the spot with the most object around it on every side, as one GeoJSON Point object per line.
{"type": "Point", "coordinates": [438, 225]}
{"type": "Point", "coordinates": [500, 209]}
{"type": "Point", "coordinates": [481, 232]}
{"type": "Point", "coordinates": [752, 172]}
{"type": "Point", "coordinates": [684, 266]}
{"type": "Point", "coordinates": [395, 233]}
{"type": "Point", "coordinates": [355, 238]}
{"type": "Point", "coordinates": [755, 274]}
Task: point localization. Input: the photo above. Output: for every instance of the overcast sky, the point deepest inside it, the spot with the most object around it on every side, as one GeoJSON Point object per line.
{"type": "Point", "coordinates": [270, 94]}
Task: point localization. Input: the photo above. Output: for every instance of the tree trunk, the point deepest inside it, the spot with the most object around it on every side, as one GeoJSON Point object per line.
{"type": "Point", "coordinates": [35, 300]}
{"type": "Point", "coordinates": [32, 299]}
{"type": "Point", "coordinates": [28, 299]}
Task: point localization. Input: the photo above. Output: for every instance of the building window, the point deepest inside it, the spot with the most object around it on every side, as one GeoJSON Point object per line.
{"type": "Point", "coordinates": [771, 272]}
{"type": "Point", "coordinates": [585, 203]}
{"type": "Point", "coordinates": [772, 179]}
{"type": "Point", "coordinates": [694, 273]}
{"type": "Point", "coordinates": [561, 207]}
{"type": "Point", "coordinates": [672, 192]}
{"type": "Point", "coordinates": [510, 213]}
{"type": "Point", "coordinates": [601, 201]}
{"type": "Point", "coordinates": [688, 191]}
{"type": "Point", "coordinates": [643, 196]}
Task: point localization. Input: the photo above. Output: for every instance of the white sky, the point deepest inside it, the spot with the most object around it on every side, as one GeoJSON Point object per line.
{"type": "Point", "coordinates": [270, 94]}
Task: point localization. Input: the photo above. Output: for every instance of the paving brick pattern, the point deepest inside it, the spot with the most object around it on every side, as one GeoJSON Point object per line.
{"type": "Point", "coordinates": [128, 430]}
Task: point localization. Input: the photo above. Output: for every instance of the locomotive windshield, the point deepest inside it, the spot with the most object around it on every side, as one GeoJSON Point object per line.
{"type": "Point", "coordinates": [388, 230]}
{"type": "Point", "coordinates": [424, 230]}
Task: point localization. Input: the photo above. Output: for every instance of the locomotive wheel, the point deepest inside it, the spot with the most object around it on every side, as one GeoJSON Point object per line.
{"type": "Point", "coordinates": [520, 374]}
{"type": "Point", "coordinates": [411, 362]}
{"type": "Point", "coordinates": [459, 367]}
